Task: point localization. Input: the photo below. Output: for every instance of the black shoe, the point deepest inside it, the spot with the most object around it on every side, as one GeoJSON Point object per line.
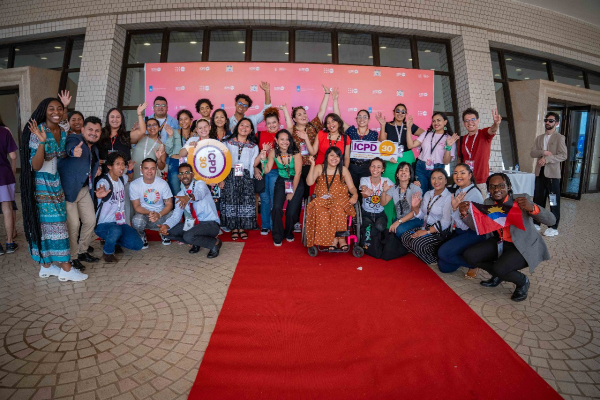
{"type": "Point", "coordinates": [11, 247]}
{"type": "Point", "coordinates": [194, 249]}
{"type": "Point", "coordinates": [493, 282]}
{"type": "Point", "coordinates": [1, 250]}
{"type": "Point", "coordinates": [110, 258]}
{"type": "Point", "coordinates": [118, 249]}
{"type": "Point", "coordinates": [214, 252]}
{"type": "Point", "coordinates": [87, 257]}
{"type": "Point", "coordinates": [520, 292]}
{"type": "Point", "coordinates": [90, 249]}
{"type": "Point", "coordinates": [77, 265]}
{"type": "Point", "coordinates": [102, 241]}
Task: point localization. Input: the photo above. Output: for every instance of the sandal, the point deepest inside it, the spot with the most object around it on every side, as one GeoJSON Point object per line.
{"type": "Point", "coordinates": [243, 235]}
{"type": "Point", "coordinates": [331, 248]}
{"type": "Point", "coordinates": [471, 273]}
{"type": "Point", "coordinates": [235, 235]}
{"type": "Point", "coordinates": [345, 247]}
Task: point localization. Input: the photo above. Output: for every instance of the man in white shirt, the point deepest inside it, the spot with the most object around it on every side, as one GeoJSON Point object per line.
{"type": "Point", "coordinates": [160, 113]}
{"type": "Point", "coordinates": [243, 102]}
{"type": "Point", "coordinates": [200, 225]}
{"type": "Point", "coordinates": [374, 219]}
{"type": "Point", "coordinates": [110, 211]}
{"type": "Point", "coordinates": [152, 201]}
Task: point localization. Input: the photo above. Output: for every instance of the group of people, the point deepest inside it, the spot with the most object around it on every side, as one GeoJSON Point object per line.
{"type": "Point", "coordinates": [79, 177]}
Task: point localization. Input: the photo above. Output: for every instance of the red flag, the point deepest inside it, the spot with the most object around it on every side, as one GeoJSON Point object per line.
{"type": "Point", "coordinates": [490, 218]}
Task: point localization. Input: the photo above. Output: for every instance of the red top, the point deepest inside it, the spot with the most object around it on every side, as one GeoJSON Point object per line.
{"type": "Point", "coordinates": [325, 143]}
{"type": "Point", "coordinates": [479, 148]}
{"type": "Point", "coordinates": [265, 137]}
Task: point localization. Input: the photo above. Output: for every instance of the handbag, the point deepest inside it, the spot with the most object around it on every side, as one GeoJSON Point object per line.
{"type": "Point", "coordinates": [392, 247]}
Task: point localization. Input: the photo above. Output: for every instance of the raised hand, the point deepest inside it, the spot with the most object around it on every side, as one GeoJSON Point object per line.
{"type": "Point", "coordinates": [65, 97]}
{"type": "Point", "coordinates": [452, 139]}
{"type": "Point", "coordinates": [33, 127]}
{"type": "Point", "coordinates": [525, 204]}
{"type": "Point", "coordinates": [386, 186]}
{"type": "Point", "coordinates": [409, 122]}
{"type": "Point", "coordinates": [169, 130]}
{"type": "Point", "coordinates": [266, 86]}
{"type": "Point", "coordinates": [130, 165]}
{"type": "Point", "coordinates": [380, 118]}
{"type": "Point", "coordinates": [302, 135]}
{"type": "Point", "coordinates": [267, 147]}
{"type": "Point", "coordinates": [159, 151]}
{"type": "Point", "coordinates": [312, 161]}
{"type": "Point", "coordinates": [101, 192]}
{"type": "Point", "coordinates": [335, 93]}
{"type": "Point", "coordinates": [77, 150]}
{"type": "Point", "coordinates": [366, 191]}
{"type": "Point", "coordinates": [457, 199]}
{"type": "Point", "coordinates": [416, 200]}
{"type": "Point", "coordinates": [327, 90]}
{"type": "Point", "coordinates": [141, 108]}
{"type": "Point", "coordinates": [497, 118]}
{"type": "Point", "coordinates": [283, 107]}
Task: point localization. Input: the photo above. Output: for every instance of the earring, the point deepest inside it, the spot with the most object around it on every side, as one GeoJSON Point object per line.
{"type": "Point", "coordinates": [445, 128]}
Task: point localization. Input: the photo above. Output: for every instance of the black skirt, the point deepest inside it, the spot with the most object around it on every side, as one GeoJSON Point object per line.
{"type": "Point", "coordinates": [238, 204]}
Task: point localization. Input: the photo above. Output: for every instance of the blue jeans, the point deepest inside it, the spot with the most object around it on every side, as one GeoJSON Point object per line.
{"type": "Point", "coordinates": [174, 183]}
{"type": "Point", "coordinates": [266, 199]}
{"type": "Point", "coordinates": [450, 255]}
{"type": "Point", "coordinates": [408, 225]}
{"type": "Point", "coordinates": [122, 235]}
{"type": "Point", "coordinates": [424, 176]}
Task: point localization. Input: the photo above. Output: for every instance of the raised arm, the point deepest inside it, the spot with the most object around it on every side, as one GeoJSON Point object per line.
{"type": "Point", "coordinates": [382, 133]}
{"type": "Point", "coordinates": [336, 107]}
{"type": "Point", "coordinates": [288, 118]}
{"type": "Point", "coordinates": [323, 107]}
{"type": "Point", "coordinates": [492, 130]}
{"type": "Point", "coordinates": [271, 161]}
{"type": "Point", "coordinates": [314, 172]}
{"type": "Point", "coordinates": [450, 141]}
{"type": "Point", "coordinates": [138, 133]}
{"type": "Point", "coordinates": [410, 143]}
{"type": "Point", "coordinates": [266, 86]}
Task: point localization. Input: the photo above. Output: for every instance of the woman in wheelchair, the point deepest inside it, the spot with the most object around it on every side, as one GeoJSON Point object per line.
{"type": "Point", "coordinates": [328, 212]}
{"type": "Point", "coordinates": [436, 211]}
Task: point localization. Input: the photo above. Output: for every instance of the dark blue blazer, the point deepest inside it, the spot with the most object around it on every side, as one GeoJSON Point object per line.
{"type": "Point", "coordinates": [74, 171]}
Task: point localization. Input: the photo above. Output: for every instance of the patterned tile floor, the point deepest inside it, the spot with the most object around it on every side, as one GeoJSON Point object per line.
{"type": "Point", "coordinates": [139, 329]}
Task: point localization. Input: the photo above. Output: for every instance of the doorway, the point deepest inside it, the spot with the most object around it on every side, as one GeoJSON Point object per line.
{"type": "Point", "coordinates": [10, 115]}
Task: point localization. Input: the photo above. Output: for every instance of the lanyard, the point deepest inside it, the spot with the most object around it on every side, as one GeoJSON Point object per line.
{"type": "Point", "coordinates": [399, 134]}
{"type": "Point", "coordinates": [376, 192]}
{"type": "Point", "coordinates": [327, 181]}
{"type": "Point", "coordinates": [286, 166]}
{"type": "Point", "coordinates": [240, 149]}
{"type": "Point", "coordinates": [112, 142]}
{"type": "Point", "coordinates": [436, 143]}
{"type": "Point", "coordinates": [362, 136]}
{"type": "Point", "coordinates": [189, 204]}
{"type": "Point", "coordinates": [160, 128]}
{"type": "Point", "coordinates": [472, 146]}
{"type": "Point", "coordinates": [402, 198]}
{"type": "Point", "coordinates": [430, 206]}
{"type": "Point", "coordinates": [146, 146]}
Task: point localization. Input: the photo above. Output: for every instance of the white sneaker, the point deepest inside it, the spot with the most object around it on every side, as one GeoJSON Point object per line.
{"type": "Point", "coordinates": [277, 244]}
{"type": "Point", "coordinates": [73, 275]}
{"type": "Point", "coordinates": [225, 229]}
{"type": "Point", "coordinates": [52, 270]}
{"type": "Point", "coordinates": [537, 227]}
{"type": "Point", "coordinates": [165, 241]}
{"type": "Point", "coordinates": [550, 232]}
{"type": "Point", "coordinates": [297, 227]}
{"type": "Point", "coordinates": [290, 239]}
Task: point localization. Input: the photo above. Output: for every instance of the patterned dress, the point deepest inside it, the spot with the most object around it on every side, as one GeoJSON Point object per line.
{"type": "Point", "coordinates": [328, 216]}
{"type": "Point", "coordinates": [50, 201]}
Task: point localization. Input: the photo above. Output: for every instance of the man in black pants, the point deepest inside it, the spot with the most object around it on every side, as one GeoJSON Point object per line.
{"type": "Point", "coordinates": [550, 150]}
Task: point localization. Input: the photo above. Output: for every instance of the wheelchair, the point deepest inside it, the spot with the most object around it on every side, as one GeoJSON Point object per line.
{"type": "Point", "coordinates": [352, 233]}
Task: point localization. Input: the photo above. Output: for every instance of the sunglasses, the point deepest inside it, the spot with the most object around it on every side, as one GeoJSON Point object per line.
{"type": "Point", "coordinates": [185, 173]}
{"type": "Point", "coordinates": [398, 111]}
{"type": "Point", "coordinates": [470, 120]}
{"type": "Point", "coordinates": [550, 120]}
{"type": "Point", "coordinates": [242, 104]}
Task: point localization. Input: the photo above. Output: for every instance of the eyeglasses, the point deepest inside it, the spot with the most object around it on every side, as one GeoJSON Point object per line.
{"type": "Point", "coordinates": [185, 173]}
{"type": "Point", "coordinates": [362, 117]}
{"type": "Point", "coordinates": [470, 120]}
{"type": "Point", "coordinates": [549, 120]}
{"type": "Point", "coordinates": [498, 186]}
{"type": "Point", "coordinates": [160, 105]}
{"type": "Point", "coordinates": [242, 104]}
{"type": "Point", "coordinates": [151, 126]}
{"type": "Point", "coordinates": [399, 111]}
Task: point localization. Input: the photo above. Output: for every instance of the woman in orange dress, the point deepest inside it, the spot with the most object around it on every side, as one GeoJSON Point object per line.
{"type": "Point", "coordinates": [328, 212]}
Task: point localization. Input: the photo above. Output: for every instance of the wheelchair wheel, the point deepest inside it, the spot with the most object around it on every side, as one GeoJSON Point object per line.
{"type": "Point", "coordinates": [357, 221]}
{"type": "Point", "coordinates": [313, 251]}
{"type": "Point", "coordinates": [304, 218]}
{"type": "Point", "coordinates": [358, 251]}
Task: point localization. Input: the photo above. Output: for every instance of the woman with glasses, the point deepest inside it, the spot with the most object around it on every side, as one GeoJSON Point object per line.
{"type": "Point", "coordinates": [174, 144]}
{"type": "Point", "coordinates": [508, 250]}
{"type": "Point", "coordinates": [396, 129]}
{"type": "Point", "coordinates": [150, 146]}
{"type": "Point", "coordinates": [438, 147]}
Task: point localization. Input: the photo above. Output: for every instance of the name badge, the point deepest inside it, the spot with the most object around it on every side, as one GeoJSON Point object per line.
{"type": "Point", "coordinates": [500, 247]}
{"type": "Point", "coordinates": [120, 217]}
{"type": "Point", "coordinates": [112, 151]}
{"type": "Point", "coordinates": [289, 187]}
{"type": "Point", "coordinates": [239, 170]}
{"type": "Point", "coordinates": [429, 165]}
{"type": "Point", "coordinates": [303, 149]}
{"type": "Point", "coordinates": [471, 164]}
{"type": "Point", "coordinates": [215, 192]}
{"type": "Point", "coordinates": [400, 151]}
{"type": "Point", "coordinates": [552, 197]}
{"type": "Point", "coordinates": [188, 224]}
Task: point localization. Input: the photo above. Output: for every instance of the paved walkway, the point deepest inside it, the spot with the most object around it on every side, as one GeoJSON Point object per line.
{"type": "Point", "coordinates": [139, 329]}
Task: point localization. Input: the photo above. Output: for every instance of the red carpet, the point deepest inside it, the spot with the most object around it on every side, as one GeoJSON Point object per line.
{"type": "Point", "coordinates": [296, 327]}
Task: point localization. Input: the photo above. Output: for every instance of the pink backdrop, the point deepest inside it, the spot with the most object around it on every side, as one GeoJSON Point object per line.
{"type": "Point", "coordinates": [372, 88]}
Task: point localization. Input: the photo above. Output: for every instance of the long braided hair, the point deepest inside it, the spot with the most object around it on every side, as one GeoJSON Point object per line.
{"type": "Point", "coordinates": [31, 218]}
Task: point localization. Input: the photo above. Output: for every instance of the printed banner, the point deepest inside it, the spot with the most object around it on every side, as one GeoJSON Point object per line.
{"type": "Point", "coordinates": [368, 150]}
{"type": "Point", "coordinates": [376, 89]}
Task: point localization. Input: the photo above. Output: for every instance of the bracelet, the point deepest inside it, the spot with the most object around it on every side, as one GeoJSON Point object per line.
{"type": "Point", "coordinates": [327, 92]}
{"type": "Point", "coordinates": [448, 148]}
{"type": "Point", "coordinates": [41, 143]}
{"type": "Point", "coordinates": [129, 171]}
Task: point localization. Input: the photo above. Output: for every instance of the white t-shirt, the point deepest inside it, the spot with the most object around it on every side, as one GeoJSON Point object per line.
{"type": "Point", "coordinates": [372, 204]}
{"type": "Point", "coordinates": [151, 195]}
{"type": "Point", "coordinates": [115, 203]}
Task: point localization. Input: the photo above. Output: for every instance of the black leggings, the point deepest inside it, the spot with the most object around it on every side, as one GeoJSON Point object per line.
{"type": "Point", "coordinates": [484, 255]}
{"type": "Point", "coordinates": [292, 211]}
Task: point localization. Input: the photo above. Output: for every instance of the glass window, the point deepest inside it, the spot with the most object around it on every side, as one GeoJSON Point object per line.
{"type": "Point", "coordinates": [145, 48]}
{"type": "Point", "coordinates": [432, 56]}
{"type": "Point", "coordinates": [442, 94]}
{"type": "Point", "coordinates": [568, 75]}
{"type": "Point", "coordinates": [270, 45]}
{"type": "Point", "coordinates": [185, 46]}
{"type": "Point", "coordinates": [355, 49]}
{"type": "Point", "coordinates": [523, 68]}
{"type": "Point", "coordinates": [76, 53]}
{"type": "Point", "coordinates": [72, 84]}
{"type": "Point", "coordinates": [594, 81]}
{"type": "Point", "coordinates": [313, 46]}
{"type": "Point", "coordinates": [395, 52]}
{"type": "Point", "coordinates": [3, 57]}
{"type": "Point", "coordinates": [500, 101]}
{"type": "Point", "coordinates": [134, 87]}
{"type": "Point", "coordinates": [227, 45]}
{"type": "Point", "coordinates": [496, 65]}
{"type": "Point", "coordinates": [506, 145]}
{"type": "Point", "coordinates": [47, 54]}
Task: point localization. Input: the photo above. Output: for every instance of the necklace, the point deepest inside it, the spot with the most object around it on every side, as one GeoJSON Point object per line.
{"type": "Point", "coordinates": [375, 198]}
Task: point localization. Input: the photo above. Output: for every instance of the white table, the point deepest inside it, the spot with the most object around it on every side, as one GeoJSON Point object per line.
{"type": "Point", "coordinates": [522, 182]}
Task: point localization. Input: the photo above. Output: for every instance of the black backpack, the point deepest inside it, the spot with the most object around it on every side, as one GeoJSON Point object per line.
{"type": "Point", "coordinates": [98, 205]}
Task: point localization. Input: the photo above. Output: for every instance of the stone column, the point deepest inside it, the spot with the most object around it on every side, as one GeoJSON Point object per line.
{"type": "Point", "coordinates": [101, 64]}
{"type": "Point", "coordinates": [475, 83]}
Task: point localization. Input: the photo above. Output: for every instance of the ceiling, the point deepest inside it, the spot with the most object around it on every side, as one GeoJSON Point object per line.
{"type": "Point", "coordinates": [585, 10]}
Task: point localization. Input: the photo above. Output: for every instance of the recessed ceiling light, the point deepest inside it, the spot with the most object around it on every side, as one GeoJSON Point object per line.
{"type": "Point", "coordinates": [383, 47]}
{"type": "Point", "coordinates": [200, 52]}
{"type": "Point", "coordinates": [328, 55]}
{"type": "Point", "coordinates": [57, 47]}
{"type": "Point", "coordinates": [243, 52]}
{"type": "Point", "coordinates": [427, 51]}
{"type": "Point", "coordinates": [509, 59]}
{"type": "Point", "coordinates": [241, 42]}
{"type": "Point", "coordinates": [496, 74]}
{"type": "Point", "coordinates": [17, 49]}
{"type": "Point", "coordinates": [433, 69]}
{"type": "Point", "coordinates": [580, 76]}
{"type": "Point", "coordinates": [518, 69]}
{"type": "Point", "coordinates": [287, 42]}
{"type": "Point", "coordinates": [543, 63]}
{"type": "Point", "coordinates": [193, 42]}
{"type": "Point", "coordinates": [44, 58]}
{"type": "Point", "coordinates": [159, 53]}
{"type": "Point", "coordinates": [410, 59]}
{"type": "Point", "coordinates": [370, 56]}
{"type": "Point", "coordinates": [578, 85]}
{"type": "Point", "coordinates": [80, 56]}
{"type": "Point", "coordinates": [146, 44]}
{"type": "Point", "coordinates": [526, 77]}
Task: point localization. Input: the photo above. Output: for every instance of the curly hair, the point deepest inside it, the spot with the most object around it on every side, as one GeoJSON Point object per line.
{"type": "Point", "coordinates": [245, 97]}
{"type": "Point", "coordinates": [271, 112]}
{"type": "Point", "coordinates": [503, 176]}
